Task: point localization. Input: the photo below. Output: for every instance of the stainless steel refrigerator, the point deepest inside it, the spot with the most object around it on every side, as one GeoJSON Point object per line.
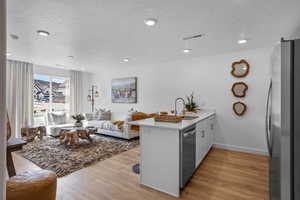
{"type": "Point", "coordinates": [283, 121]}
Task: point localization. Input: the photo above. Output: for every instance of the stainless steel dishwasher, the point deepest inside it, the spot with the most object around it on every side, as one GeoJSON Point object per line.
{"type": "Point", "coordinates": [187, 154]}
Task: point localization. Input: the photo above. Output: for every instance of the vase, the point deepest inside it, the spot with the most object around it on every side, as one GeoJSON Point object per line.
{"type": "Point", "coordinates": [78, 124]}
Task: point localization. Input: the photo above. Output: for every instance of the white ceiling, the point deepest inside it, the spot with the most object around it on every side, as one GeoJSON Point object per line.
{"type": "Point", "coordinates": [102, 32]}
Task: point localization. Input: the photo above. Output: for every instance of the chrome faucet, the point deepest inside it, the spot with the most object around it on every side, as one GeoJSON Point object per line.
{"type": "Point", "coordinates": [176, 100]}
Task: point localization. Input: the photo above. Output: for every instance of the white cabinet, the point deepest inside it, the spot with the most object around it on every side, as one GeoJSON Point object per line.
{"type": "Point", "coordinates": [211, 130]}
{"type": "Point", "coordinates": [200, 141]}
{"type": "Point", "coordinates": [204, 137]}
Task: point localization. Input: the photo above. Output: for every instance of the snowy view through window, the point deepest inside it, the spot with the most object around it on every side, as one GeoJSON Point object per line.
{"type": "Point", "coordinates": [50, 94]}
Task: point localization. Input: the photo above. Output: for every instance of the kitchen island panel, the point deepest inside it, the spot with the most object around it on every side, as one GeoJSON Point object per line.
{"type": "Point", "coordinates": [159, 165]}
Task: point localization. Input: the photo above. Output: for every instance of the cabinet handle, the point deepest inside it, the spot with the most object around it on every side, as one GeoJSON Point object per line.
{"type": "Point", "coordinates": [203, 133]}
{"type": "Point", "coordinates": [189, 134]}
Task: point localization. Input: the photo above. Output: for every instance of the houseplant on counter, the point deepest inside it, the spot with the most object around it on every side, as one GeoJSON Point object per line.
{"type": "Point", "coordinates": [190, 104]}
{"type": "Point", "coordinates": [78, 119]}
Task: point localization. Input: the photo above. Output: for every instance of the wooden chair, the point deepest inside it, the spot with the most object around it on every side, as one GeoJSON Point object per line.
{"type": "Point", "coordinates": [35, 185]}
{"type": "Point", "coordinates": [8, 127]}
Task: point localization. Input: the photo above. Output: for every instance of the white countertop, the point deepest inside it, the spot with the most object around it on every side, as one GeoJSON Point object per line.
{"type": "Point", "coordinates": [203, 114]}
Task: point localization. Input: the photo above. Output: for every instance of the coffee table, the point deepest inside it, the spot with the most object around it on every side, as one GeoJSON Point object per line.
{"type": "Point", "coordinates": [72, 135]}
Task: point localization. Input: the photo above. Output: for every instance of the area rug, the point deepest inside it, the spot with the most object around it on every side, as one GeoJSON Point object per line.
{"type": "Point", "coordinates": [63, 160]}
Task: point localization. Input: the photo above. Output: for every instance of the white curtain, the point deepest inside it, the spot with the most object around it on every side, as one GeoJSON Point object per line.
{"type": "Point", "coordinates": [76, 91]}
{"type": "Point", "coordinates": [19, 95]}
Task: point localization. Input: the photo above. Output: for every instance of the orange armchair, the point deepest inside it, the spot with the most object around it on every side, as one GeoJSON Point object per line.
{"type": "Point", "coordinates": [35, 185]}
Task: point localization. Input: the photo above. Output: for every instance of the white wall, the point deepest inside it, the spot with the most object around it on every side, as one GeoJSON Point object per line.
{"type": "Point", "coordinates": [210, 79]}
{"type": "Point", "coordinates": [51, 71]}
{"type": "Point", "coordinates": [87, 85]}
{"type": "Point", "coordinates": [2, 98]}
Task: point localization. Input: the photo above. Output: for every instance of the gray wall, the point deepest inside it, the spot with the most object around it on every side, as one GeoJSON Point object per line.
{"type": "Point", "coordinates": [2, 97]}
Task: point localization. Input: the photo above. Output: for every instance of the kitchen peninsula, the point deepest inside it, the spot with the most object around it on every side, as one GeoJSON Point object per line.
{"type": "Point", "coordinates": [171, 152]}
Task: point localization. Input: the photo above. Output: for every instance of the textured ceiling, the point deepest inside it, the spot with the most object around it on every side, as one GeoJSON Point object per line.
{"type": "Point", "coordinates": [100, 33]}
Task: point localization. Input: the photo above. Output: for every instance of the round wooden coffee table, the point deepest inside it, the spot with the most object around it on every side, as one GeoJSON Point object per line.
{"type": "Point", "coordinates": [74, 134]}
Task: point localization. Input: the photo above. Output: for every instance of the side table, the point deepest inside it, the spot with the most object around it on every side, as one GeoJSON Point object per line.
{"type": "Point", "coordinates": [29, 133]}
{"type": "Point", "coordinates": [14, 144]}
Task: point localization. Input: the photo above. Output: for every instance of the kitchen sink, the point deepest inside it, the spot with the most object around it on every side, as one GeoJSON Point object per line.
{"type": "Point", "coordinates": [189, 117]}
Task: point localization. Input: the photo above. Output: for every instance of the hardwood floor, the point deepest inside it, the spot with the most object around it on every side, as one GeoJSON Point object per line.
{"type": "Point", "coordinates": [223, 175]}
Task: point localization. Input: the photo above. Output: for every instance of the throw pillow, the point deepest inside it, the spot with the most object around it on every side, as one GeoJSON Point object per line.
{"type": "Point", "coordinates": [151, 115]}
{"type": "Point", "coordinates": [129, 115]}
{"type": "Point", "coordinates": [59, 118]}
{"type": "Point", "coordinates": [90, 116]}
{"type": "Point", "coordinates": [104, 115]}
{"type": "Point", "coordinates": [138, 116]}
{"type": "Point", "coordinates": [107, 125]}
{"type": "Point", "coordinates": [119, 124]}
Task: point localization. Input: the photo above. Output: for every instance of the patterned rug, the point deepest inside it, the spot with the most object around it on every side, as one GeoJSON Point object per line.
{"type": "Point", "coordinates": [50, 154]}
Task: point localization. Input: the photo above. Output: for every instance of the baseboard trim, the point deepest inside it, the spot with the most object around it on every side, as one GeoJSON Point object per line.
{"type": "Point", "coordinates": [162, 190]}
{"type": "Point", "coordinates": [240, 149]}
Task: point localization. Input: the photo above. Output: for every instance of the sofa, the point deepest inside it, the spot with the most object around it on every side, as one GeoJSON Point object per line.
{"type": "Point", "coordinates": [57, 120]}
{"type": "Point", "coordinates": [106, 122]}
{"type": "Point", "coordinates": [117, 124]}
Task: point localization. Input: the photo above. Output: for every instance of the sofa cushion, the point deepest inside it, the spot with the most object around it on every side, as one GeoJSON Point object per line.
{"type": "Point", "coordinates": [62, 126]}
{"type": "Point", "coordinates": [90, 116]}
{"type": "Point", "coordinates": [151, 115]}
{"type": "Point", "coordinates": [104, 124]}
{"type": "Point", "coordinates": [55, 118]}
{"type": "Point", "coordinates": [119, 124]}
{"type": "Point", "coordinates": [54, 130]}
{"type": "Point", "coordinates": [138, 116]}
{"type": "Point", "coordinates": [95, 123]}
{"type": "Point", "coordinates": [129, 115]}
{"type": "Point", "coordinates": [125, 135]}
{"type": "Point", "coordinates": [108, 125]}
{"type": "Point", "coordinates": [59, 118]}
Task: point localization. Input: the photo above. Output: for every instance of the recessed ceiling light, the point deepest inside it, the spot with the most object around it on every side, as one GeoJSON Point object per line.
{"type": "Point", "coordinates": [126, 59]}
{"type": "Point", "coordinates": [243, 41]}
{"type": "Point", "coordinates": [8, 54]}
{"type": "Point", "coordinates": [187, 50]}
{"type": "Point", "coordinates": [150, 21]}
{"type": "Point", "coordinates": [43, 33]}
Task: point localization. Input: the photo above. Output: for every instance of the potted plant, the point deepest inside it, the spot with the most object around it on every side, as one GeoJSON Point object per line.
{"type": "Point", "coordinates": [78, 119]}
{"type": "Point", "coordinates": [190, 104]}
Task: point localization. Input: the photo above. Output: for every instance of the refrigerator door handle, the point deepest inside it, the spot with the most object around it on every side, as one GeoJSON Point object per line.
{"type": "Point", "coordinates": [267, 120]}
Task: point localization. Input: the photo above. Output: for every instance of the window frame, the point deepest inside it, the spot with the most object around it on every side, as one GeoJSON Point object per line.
{"type": "Point", "coordinates": [51, 77]}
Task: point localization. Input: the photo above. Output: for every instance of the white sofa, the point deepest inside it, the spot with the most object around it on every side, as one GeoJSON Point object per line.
{"type": "Point", "coordinates": [57, 120]}
{"type": "Point", "coordinates": [106, 127]}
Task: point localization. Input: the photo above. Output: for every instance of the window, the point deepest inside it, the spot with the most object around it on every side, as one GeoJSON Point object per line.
{"type": "Point", "coordinates": [50, 94]}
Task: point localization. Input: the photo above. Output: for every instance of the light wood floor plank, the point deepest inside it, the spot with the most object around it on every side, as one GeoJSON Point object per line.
{"type": "Point", "coordinates": [223, 175]}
